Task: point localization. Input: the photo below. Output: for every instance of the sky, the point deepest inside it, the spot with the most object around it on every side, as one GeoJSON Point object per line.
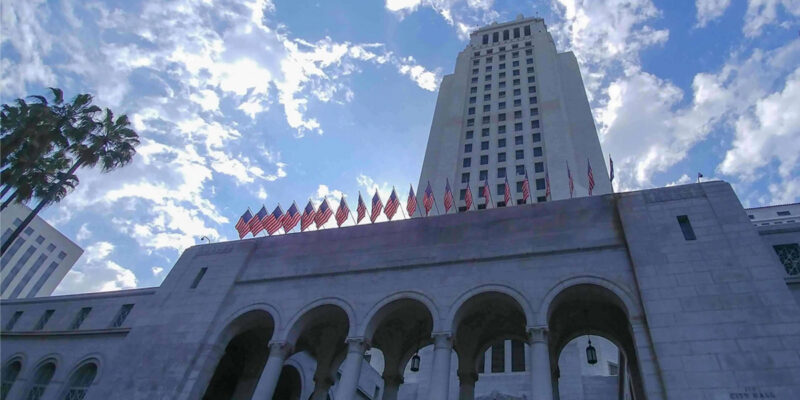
{"type": "Point", "coordinates": [244, 103]}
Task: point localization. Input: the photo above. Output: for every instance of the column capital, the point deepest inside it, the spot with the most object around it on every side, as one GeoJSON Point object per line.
{"type": "Point", "coordinates": [357, 345]}
{"type": "Point", "coordinates": [538, 334]}
{"type": "Point", "coordinates": [467, 377]}
{"type": "Point", "coordinates": [280, 348]}
{"type": "Point", "coordinates": [442, 340]}
{"type": "Point", "coordinates": [394, 379]}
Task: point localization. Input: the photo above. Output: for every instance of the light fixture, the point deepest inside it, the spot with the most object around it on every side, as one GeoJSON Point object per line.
{"type": "Point", "coordinates": [415, 362]}
{"type": "Point", "coordinates": [591, 353]}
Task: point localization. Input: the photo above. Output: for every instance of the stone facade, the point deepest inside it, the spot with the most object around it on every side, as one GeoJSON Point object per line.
{"type": "Point", "coordinates": [708, 317]}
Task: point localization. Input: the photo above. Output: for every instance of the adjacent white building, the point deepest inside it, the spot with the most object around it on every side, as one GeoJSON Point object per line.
{"type": "Point", "coordinates": [37, 261]}
{"type": "Point", "coordinates": [513, 105]}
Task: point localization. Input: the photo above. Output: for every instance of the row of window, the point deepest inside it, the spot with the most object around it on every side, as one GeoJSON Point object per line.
{"type": "Point", "coordinates": [500, 76]}
{"type": "Point", "coordinates": [536, 137]}
{"type": "Point", "coordinates": [501, 49]}
{"type": "Point", "coordinates": [538, 167]}
{"type": "Point", "coordinates": [497, 357]}
{"type": "Point", "coordinates": [76, 323]}
{"type": "Point", "coordinates": [507, 34]}
{"type": "Point", "coordinates": [486, 119]}
{"type": "Point", "coordinates": [501, 157]}
{"type": "Point", "coordinates": [501, 66]}
{"type": "Point", "coordinates": [76, 388]}
{"type": "Point", "coordinates": [500, 57]}
{"type": "Point", "coordinates": [539, 183]}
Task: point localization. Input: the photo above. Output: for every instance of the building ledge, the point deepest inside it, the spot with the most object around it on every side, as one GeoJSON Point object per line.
{"type": "Point", "coordinates": [82, 296]}
{"type": "Point", "coordinates": [792, 280]}
{"type": "Point", "coordinates": [87, 332]}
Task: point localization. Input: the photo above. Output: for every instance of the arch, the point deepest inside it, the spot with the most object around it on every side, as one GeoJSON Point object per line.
{"type": "Point", "coordinates": [370, 321]}
{"type": "Point", "coordinates": [457, 306]}
{"type": "Point", "coordinates": [290, 383]}
{"type": "Point", "coordinates": [228, 329]}
{"type": "Point", "coordinates": [81, 378]}
{"type": "Point", "coordinates": [42, 376]}
{"type": "Point", "coordinates": [295, 326]}
{"type": "Point", "coordinates": [630, 307]}
{"type": "Point", "coordinates": [11, 371]}
{"type": "Point", "coordinates": [95, 358]}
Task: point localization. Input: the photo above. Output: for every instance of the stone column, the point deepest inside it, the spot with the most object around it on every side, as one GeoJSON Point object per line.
{"type": "Point", "coordinates": [440, 376]}
{"type": "Point", "coordinates": [540, 364]}
{"type": "Point", "coordinates": [351, 369]}
{"type": "Point", "coordinates": [466, 385]}
{"type": "Point", "coordinates": [391, 385]}
{"type": "Point", "coordinates": [278, 351]}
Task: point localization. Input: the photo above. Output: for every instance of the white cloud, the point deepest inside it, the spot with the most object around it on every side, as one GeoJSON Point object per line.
{"type": "Point", "coordinates": [96, 273]}
{"type": "Point", "coordinates": [464, 15]}
{"type": "Point", "coordinates": [83, 232]}
{"type": "Point", "coordinates": [21, 27]}
{"type": "Point", "coordinates": [684, 179]}
{"type": "Point", "coordinates": [402, 5]}
{"type": "Point", "coordinates": [207, 99]}
{"type": "Point", "coordinates": [709, 10]}
{"type": "Point", "coordinates": [157, 270]}
{"type": "Point", "coordinates": [764, 12]}
{"type": "Point", "coordinates": [425, 79]}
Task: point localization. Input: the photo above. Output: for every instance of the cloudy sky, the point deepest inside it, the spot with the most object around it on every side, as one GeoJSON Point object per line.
{"type": "Point", "coordinates": [240, 103]}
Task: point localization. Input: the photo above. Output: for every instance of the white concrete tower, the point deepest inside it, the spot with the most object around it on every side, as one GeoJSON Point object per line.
{"type": "Point", "coordinates": [512, 105]}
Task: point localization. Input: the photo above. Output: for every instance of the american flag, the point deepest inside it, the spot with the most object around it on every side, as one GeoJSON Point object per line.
{"type": "Point", "coordinates": [468, 197]}
{"type": "Point", "coordinates": [411, 203]}
{"type": "Point", "coordinates": [377, 206]}
{"type": "Point", "coordinates": [324, 213]}
{"type": "Point", "coordinates": [487, 193]}
{"type": "Point", "coordinates": [571, 184]}
{"type": "Point", "coordinates": [308, 216]}
{"type": "Point", "coordinates": [392, 205]}
{"type": "Point", "coordinates": [507, 197]}
{"type": "Point", "coordinates": [342, 212]}
{"type": "Point", "coordinates": [291, 218]}
{"type": "Point", "coordinates": [448, 197]}
{"type": "Point", "coordinates": [427, 200]}
{"type": "Point", "coordinates": [591, 176]}
{"type": "Point", "coordinates": [241, 226]}
{"type": "Point", "coordinates": [257, 223]}
{"type": "Point", "coordinates": [611, 167]}
{"type": "Point", "coordinates": [526, 189]}
{"type": "Point", "coordinates": [547, 185]}
{"type": "Point", "coordinates": [361, 210]}
{"type": "Point", "coordinates": [274, 221]}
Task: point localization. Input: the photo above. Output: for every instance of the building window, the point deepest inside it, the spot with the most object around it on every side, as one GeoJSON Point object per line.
{"type": "Point", "coordinates": [516, 83]}
{"type": "Point", "coordinates": [485, 145]}
{"type": "Point", "coordinates": [501, 142]}
{"type": "Point", "coordinates": [488, 60]}
{"type": "Point", "coordinates": [482, 175]}
{"type": "Point", "coordinates": [517, 102]}
{"type": "Point", "coordinates": [501, 172]}
{"type": "Point", "coordinates": [498, 357]}
{"type": "Point", "coordinates": [537, 151]}
{"type": "Point", "coordinates": [40, 239]}
{"type": "Point", "coordinates": [488, 68]}
{"type": "Point", "coordinates": [467, 163]}
{"type": "Point", "coordinates": [531, 89]}
{"type": "Point", "coordinates": [485, 132]}
{"type": "Point", "coordinates": [43, 320]}
{"type": "Point", "coordinates": [501, 117]}
{"type": "Point", "coordinates": [519, 186]}
{"type": "Point", "coordinates": [471, 111]}
{"type": "Point", "coordinates": [40, 381]}
{"type": "Point", "coordinates": [515, 72]}
{"type": "Point", "coordinates": [199, 277]}
{"type": "Point", "coordinates": [502, 48]}
{"type": "Point", "coordinates": [468, 148]}
{"type": "Point", "coordinates": [538, 167]}
{"type": "Point", "coordinates": [516, 33]}
{"type": "Point", "coordinates": [536, 137]}
{"type": "Point", "coordinates": [469, 134]}
{"type": "Point", "coordinates": [515, 54]}
{"type": "Point", "coordinates": [501, 57]}
{"type": "Point", "coordinates": [515, 64]}
{"type": "Point", "coordinates": [484, 160]}
{"type": "Point", "coordinates": [80, 382]}
{"type": "Point", "coordinates": [517, 356]}
{"type": "Point", "coordinates": [531, 79]}
{"type": "Point", "coordinates": [501, 189]}
{"type": "Point", "coordinates": [475, 71]}
{"type": "Point", "coordinates": [51, 247]}
{"type": "Point", "coordinates": [10, 373]}
{"type": "Point", "coordinates": [784, 213]}
{"type": "Point", "coordinates": [501, 105]}
{"type": "Point", "coordinates": [501, 85]}
{"type": "Point", "coordinates": [527, 30]}
{"type": "Point", "coordinates": [520, 170]}
{"type": "Point", "coordinates": [473, 90]}
{"type": "Point", "coordinates": [534, 111]}
{"type": "Point", "coordinates": [613, 369]}
{"type": "Point", "coordinates": [535, 124]}
{"type": "Point", "coordinates": [541, 199]}
{"type": "Point", "coordinates": [529, 61]}
{"type": "Point", "coordinates": [495, 37]}
{"type": "Point", "coordinates": [475, 62]}
{"type": "Point", "coordinates": [28, 231]}
{"type": "Point", "coordinates": [82, 314]}
{"type": "Point", "coordinates": [501, 157]}
{"type": "Point", "coordinates": [474, 79]}
{"type": "Point", "coordinates": [540, 184]}
{"type": "Point", "coordinates": [485, 120]}
{"type": "Point", "coordinates": [686, 227]}
{"type": "Point", "coordinates": [462, 194]}
{"type": "Point", "coordinates": [518, 126]}
{"type": "Point", "coordinates": [487, 108]}
{"type": "Point", "coordinates": [486, 39]}
{"type": "Point", "coordinates": [533, 100]}
{"type": "Point", "coordinates": [520, 154]}
{"type": "Point", "coordinates": [518, 114]}
{"type": "Point", "coordinates": [471, 122]}
{"type": "Point", "coordinates": [528, 52]}
{"type": "Point", "coordinates": [473, 100]}
{"type": "Point", "coordinates": [481, 206]}
{"type": "Point", "coordinates": [476, 54]}
{"type": "Point", "coordinates": [505, 34]}
{"type": "Point", "coordinates": [488, 51]}
{"type": "Point", "coordinates": [518, 140]}
{"type": "Point", "coordinates": [487, 97]}
{"type": "Point", "coordinates": [501, 129]}
{"type": "Point", "coordinates": [464, 177]}
{"type": "Point", "coordinates": [121, 315]}
{"type": "Point", "coordinates": [789, 254]}
{"type": "Point", "coordinates": [13, 320]}
{"type": "Point", "coordinates": [501, 94]}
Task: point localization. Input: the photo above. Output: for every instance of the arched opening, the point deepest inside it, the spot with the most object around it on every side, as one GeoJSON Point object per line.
{"type": "Point", "coordinates": [289, 384]}
{"type": "Point", "coordinates": [246, 349]}
{"type": "Point", "coordinates": [41, 378]}
{"type": "Point", "coordinates": [80, 382]}
{"type": "Point", "coordinates": [489, 321]}
{"type": "Point", "coordinates": [589, 309]}
{"type": "Point", "coordinates": [579, 378]}
{"type": "Point", "coordinates": [321, 332]}
{"type": "Point", "coordinates": [10, 374]}
{"type": "Point", "coordinates": [398, 330]}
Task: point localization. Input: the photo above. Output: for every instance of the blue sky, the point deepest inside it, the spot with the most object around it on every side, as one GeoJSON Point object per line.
{"type": "Point", "coordinates": [240, 103]}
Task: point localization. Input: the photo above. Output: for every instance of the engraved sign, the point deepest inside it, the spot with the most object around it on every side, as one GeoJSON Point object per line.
{"type": "Point", "coordinates": [748, 393]}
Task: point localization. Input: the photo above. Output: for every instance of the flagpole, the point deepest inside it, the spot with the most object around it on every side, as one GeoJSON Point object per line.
{"type": "Point", "coordinates": [352, 216]}
{"type": "Point", "coordinates": [436, 205]}
{"type": "Point", "coordinates": [417, 209]}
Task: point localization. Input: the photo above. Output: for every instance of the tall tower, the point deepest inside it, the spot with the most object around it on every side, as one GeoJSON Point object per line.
{"type": "Point", "coordinates": [513, 105]}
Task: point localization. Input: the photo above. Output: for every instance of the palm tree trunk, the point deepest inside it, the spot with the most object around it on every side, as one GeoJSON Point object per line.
{"type": "Point", "coordinates": [8, 201]}
{"type": "Point", "coordinates": [23, 225]}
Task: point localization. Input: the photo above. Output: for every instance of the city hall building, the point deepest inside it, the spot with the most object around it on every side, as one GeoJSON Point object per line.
{"type": "Point", "coordinates": [670, 293]}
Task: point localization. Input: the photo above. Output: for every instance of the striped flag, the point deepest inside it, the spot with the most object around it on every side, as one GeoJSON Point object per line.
{"type": "Point", "coordinates": [427, 200]}
{"type": "Point", "coordinates": [547, 185]}
{"type": "Point", "coordinates": [611, 167]}
{"type": "Point", "coordinates": [361, 209]}
{"type": "Point", "coordinates": [242, 225]}
{"type": "Point", "coordinates": [507, 196]}
{"type": "Point", "coordinates": [274, 221]}
{"type": "Point", "coordinates": [391, 205]}
{"type": "Point", "coordinates": [342, 212]}
{"type": "Point", "coordinates": [591, 176]}
{"type": "Point", "coordinates": [468, 197]}
{"type": "Point", "coordinates": [324, 213]}
{"type": "Point", "coordinates": [377, 206]}
{"type": "Point", "coordinates": [257, 223]}
{"type": "Point", "coordinates": [487, 193]}
{"type": "Point", "coordinates": [411, 203]}
{"type": "Point", "coordinates": [291, 218]}
{"type": "Point", "coordinates": [571, 184]}
{"type": "Point", "coordinates": [526, 188]}
{"type": "Point", "coordinates": [308, 216]}
{"type": "Point", "coordinates": [448, 196]}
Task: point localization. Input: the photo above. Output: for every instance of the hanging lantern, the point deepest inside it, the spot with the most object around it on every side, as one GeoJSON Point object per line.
{"type": "Point", "coordinates": [591, 353]}
{"type": "Point", "coordinates": [415, 363]}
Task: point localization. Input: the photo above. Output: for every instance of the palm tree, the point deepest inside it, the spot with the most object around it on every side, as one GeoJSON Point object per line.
{"type": "Point", "coordinates": [112, 144]}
